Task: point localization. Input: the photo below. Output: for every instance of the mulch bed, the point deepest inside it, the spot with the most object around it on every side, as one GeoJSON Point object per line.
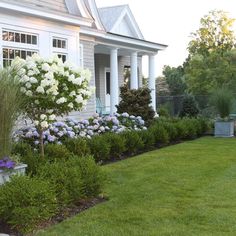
{"type": "Point", "coordinates": [67, 213]}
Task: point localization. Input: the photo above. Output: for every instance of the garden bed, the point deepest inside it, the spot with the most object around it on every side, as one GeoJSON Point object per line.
{"type": "Point", "coordinates": [67, 213]}
{"type": "Point", "coordinates": [67, 174]}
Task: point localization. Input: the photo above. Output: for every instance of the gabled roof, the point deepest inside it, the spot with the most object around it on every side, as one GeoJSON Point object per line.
{"type": "Point", "coordinates": [116, 18]}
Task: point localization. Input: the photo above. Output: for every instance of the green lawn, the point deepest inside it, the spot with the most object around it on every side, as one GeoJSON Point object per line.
{"type": "Point", "coordinates": [185, 189]}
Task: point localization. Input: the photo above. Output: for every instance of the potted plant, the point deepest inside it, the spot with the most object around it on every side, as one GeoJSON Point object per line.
{"type": "Point", "coordinates": [223, 101]}
{"type": "Point", "coordinates": [11, 104]}
{"type": "Point", "coordinates": [10, 167]}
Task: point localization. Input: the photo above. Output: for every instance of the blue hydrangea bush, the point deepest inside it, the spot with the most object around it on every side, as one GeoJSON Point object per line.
{"type": "Point", "coordinates": [58, 131]}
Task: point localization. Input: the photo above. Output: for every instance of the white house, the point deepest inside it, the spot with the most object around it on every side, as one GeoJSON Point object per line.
{"type": "Point", "coordinates": [108, 41]}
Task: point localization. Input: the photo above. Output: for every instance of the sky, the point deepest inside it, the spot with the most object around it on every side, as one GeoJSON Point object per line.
{"type": "Point", "coordinates": [171, 22]}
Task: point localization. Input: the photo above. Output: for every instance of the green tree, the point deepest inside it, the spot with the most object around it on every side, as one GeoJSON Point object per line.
{"type": "Point", "coordinates": [215, 34]}
{"type": "Point", "coordinates": [204, 74]}
{"type": "Point", "coordinates": [212, 59]}
{"type": "Point", "coordinates": [175, 79]}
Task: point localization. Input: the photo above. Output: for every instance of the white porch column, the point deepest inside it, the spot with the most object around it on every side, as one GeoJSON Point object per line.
{"type": "Point", "coordinates": [152, 80]}
{"type": "Point", "coordinates": [134, 71]}
{"type": "Point", "coordinates": [114, 96]}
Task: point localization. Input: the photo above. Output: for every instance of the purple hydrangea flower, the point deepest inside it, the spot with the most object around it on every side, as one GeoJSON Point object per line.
{"type": "Point", "coordinates": [7, 163]}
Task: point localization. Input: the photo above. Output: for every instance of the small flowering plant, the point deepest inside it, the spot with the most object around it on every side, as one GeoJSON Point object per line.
{"type": "Point", "coordinates": [52, 88]}
{"type": "Point", "coordinates": [58, 131]}
{"type": "Point", "coordinates": [6, 164]}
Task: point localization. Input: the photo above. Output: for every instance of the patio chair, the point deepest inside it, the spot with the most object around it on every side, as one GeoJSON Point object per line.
{"type": "Point", "coordinates": [101, 108]}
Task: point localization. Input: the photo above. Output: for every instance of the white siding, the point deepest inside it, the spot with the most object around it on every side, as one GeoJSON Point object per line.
{"type": "Point", "coordinates": [88, 61]}
{"type": "Point", "coordinates": [102, 61]}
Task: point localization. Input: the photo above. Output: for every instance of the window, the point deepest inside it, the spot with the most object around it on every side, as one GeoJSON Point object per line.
{"type": "Point", "coordinates": [108, 85]}
{"type": "Point", "coordinates": [17, 44]}
{"type": "Point", "coordinates": [10, 53]}
{"type": "Point", "coordinates": [19, 37]}
{"type": "Point", "coordinates": [126, 73]}
{"type": "Point", "coordinates": [59, 46]}
{"type": "Point", "coordinates": [59, 43]}
{"type": "Point", "coordinates": [81, 55]}
{"type": "Point", "coordinates": [62, 56]}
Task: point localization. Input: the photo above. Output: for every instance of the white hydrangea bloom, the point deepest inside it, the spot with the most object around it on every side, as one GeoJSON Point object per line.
{"type": "Point", "coordinates": [52, 117]}
{"type": "Point", "coordinates": [28, 85]}
{"type": "Point", "coordinates": [31, 73]}
{"type": "Point", "coordinates": [40, 89]}
{"type": "Point", "coordinates": [44, 124]}
{"type": "Point", "coordinates": [71, 105]}
{"type": "Point", "coordinates": [46, 67]}
{"type": "Point", "coordinates": [79, 99]}
{"type": "Point", "coordinates": [33, 80]}
{"type": "Point", "coordinates": [61, 100]}
{"type": "Point", "coordinates": [29, 93]}
{"type": "Point", "coordinates": [23, 89]}
{"type": "Point", "coordinates": [43, 117]}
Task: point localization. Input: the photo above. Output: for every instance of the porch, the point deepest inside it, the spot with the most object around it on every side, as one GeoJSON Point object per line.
{"type": "Point", "coordinates": [115, 66]}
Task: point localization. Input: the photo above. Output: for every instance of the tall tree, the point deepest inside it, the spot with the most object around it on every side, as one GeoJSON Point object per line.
{"type": "Point", "coordinates": [215, 34]}
{"type": "Point", "coordinates": [175, 79]}
{"type": "Point", "coordinates": [211, 60]}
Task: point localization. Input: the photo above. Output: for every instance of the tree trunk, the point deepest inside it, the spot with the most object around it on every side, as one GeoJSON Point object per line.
{"type": "Point", "coordinates": [41, 143]}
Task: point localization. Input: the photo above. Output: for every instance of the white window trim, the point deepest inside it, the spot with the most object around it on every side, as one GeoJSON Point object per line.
{"type": "Point", "coordinates": [17, 45]}
{"type": "Point", "coordinates": [10, 44]}
{"type": "Point", "coordinates": [55, 50]}
{"type": "Point", "coordinates": [62, 39]}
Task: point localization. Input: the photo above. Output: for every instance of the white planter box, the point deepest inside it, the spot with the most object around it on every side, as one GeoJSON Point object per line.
{"type": "Point", "coordinates": [5, 175]}
{"type": "Point", "coordinates": [224, 128]}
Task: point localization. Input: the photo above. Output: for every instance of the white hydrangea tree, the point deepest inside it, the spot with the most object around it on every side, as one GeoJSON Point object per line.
{"type": "Point", "coordinates": [52, 88]}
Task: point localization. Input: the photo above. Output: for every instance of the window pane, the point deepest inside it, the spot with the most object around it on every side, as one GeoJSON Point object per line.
{"type": "Point", "coordinates": [17, 37]}
{"type": "Point", "coordinates": [23, 38]}
{"type": "Point", "coordinates": [63, 58]}
{"type": "Point", "coordinates": [11, 54]}
{"type": "Point", "coordinates": [59, 43]}
{"type": "Point", "coordinates": [5, 35]}
{"type": "Point", "coordinates": [108, 82]}
{"type": "Point", "coordinates": [29, 39]}
{"type": "Point", "coordinates": [63, 45]}
{"type": "Point", "coordinates": [23, 54]}
{"type": "Point", "coordinates": [11, 36]}
{"type": "Point", "coordinates": [5, 64]}
{"type": "Point", "coordinates": [5, 53]}
{"type": "Point", "coordinates": [17, 53]}
{"type": "Point", "coordinates": [54, 43]}
{"type": "Point", "coordinates": [29, 53]}
{"type": "Point", "coordinates": [34, 39]}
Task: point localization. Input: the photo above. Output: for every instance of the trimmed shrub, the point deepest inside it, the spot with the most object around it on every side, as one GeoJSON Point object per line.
{"type": "Point", "coordinates": [22, 149]}
{"type": "Point", "coordinates": [160, 134]}
{"type": "Point", "coordinates": [28, 156]}
{"type": "Point", "coordinates": [26, 202]}
{"type": "Point", "coordinates": [57, 152]}
{"type": "Point", "coordinates": [66, 180]}
{"type": "Point", "coordinates": [91, 175]}
{"type": "Point", "coordinates": [133, 142]}
{"type": "Point", "coordinates": [189, 107]}
{"type": "Point", "coordinates": [99, 147]}
{"type": "Point", "coordinates": [171, 130]}
{"type": "Point", "coordinates": [163, 112]}
{"type": "Point", "coordinates": [148, 139]}
{"type": "Point", "coordinates": [77, 146]}
{"type": "Point", "coordinates": [136, 102]}
{"type": "Point", "coordinates": [74, 179]}
{"type": "Point", "coordinates": [117, 144]}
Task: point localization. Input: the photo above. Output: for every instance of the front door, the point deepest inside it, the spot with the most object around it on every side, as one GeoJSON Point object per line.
{"type": "Point", "coordinates": [107, 89]}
